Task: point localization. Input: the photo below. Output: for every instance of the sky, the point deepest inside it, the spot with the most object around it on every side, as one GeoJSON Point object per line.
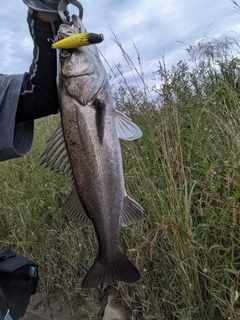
{"type": "Point", "coordinates": [151, 28]}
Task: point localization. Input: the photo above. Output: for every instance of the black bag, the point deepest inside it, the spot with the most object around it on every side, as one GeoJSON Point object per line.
{"type": "Point", "coordinates": [18, 281]}
{"type": "Point", "coordinates": [17, 265]}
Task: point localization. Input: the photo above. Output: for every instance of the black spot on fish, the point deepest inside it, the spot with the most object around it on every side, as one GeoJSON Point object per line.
{"type": "Point", "coordinates": [72, 142]}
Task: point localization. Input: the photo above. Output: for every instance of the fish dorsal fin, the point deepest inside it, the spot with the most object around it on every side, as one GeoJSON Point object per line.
{"type": "Point", "coordinates": [126, 128]}
{"type": "Point", "coordinates": [55, 156]}
{"type": "Point", "coordinates": [73, 209]}
{"type": "Point", "coordinates": [132, 212]}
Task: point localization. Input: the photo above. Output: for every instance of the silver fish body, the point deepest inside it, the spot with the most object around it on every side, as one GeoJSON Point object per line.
{"type": "Point", "coordinates": [93, 151]}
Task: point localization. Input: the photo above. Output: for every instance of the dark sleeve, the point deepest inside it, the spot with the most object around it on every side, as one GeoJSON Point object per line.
{"type": "Point", "coordinates": [29, 96]}
{"type": "Point", "coordinates": [39, 93]}
{"type": "Point", "coordinates": [15, 139]}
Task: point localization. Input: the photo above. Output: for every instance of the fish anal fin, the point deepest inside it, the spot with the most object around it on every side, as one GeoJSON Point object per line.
{"type": "Point", "coordinates": [73, 209]}
{"type": "Point", "coordinates": [100, 118]}
{"type": "Point", "coordinates": [132, 212]}
{"type": "Point", "coordinates": [122, 269]}
{"type": "Point", "coordinates": [126, 128]}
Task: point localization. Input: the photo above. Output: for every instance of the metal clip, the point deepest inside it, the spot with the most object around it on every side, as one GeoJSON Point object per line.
{"type": "Point", "coordinates": [62, 5]}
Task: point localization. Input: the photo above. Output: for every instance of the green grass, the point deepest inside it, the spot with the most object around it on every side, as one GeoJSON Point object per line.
{"type": "Point", "coordinates": [184, 171]}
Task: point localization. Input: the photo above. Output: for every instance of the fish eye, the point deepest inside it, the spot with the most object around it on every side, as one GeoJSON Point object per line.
{"type": "Point", "coordinates": [65, 53]}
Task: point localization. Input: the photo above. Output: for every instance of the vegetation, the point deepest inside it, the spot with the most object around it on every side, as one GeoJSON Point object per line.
{"type": "Point", "coordinates": [185, 172]}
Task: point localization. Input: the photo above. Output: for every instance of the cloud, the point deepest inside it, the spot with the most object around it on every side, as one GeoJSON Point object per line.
{"type": "Point", "coordinates": [15, 42]}
{"type": "Point", "coordinates": [156, 28]}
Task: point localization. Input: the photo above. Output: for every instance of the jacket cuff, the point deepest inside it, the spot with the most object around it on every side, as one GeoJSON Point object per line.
{"type": "Point", "coordinates": [15, 139]}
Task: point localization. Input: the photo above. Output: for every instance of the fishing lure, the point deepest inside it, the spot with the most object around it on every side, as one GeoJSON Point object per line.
{"type": "Point", "coordinates": [78, 40]}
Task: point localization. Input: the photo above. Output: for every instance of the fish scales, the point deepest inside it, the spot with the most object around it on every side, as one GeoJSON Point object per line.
{"type": "Point", "coordinates": [91, 127]}
{"type": "Point", "coordinates": [97, 170]}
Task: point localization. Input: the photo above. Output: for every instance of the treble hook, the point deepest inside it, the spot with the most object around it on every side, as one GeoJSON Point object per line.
{"type": "Point", "coordinates": [62, 5]}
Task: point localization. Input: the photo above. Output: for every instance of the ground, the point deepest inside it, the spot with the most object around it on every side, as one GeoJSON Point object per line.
{"type": "Point", "coordinates": [55, 307]}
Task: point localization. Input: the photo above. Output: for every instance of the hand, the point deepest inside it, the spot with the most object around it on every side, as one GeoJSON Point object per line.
{"type": "Point", "coordinates": [47, 6]}
{"type": "Point", "coordinates": [45, 16]}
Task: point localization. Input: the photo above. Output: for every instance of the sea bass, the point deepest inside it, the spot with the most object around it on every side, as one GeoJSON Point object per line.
{"type": "Point", "coordinates": [86, 147]}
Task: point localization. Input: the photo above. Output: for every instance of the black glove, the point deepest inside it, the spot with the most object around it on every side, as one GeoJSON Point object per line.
{"type": "Point", "coordinates": [50, 6]}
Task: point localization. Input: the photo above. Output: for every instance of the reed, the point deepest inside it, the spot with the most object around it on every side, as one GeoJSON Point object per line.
{"type": "Point", "coordinates": [185, 172]}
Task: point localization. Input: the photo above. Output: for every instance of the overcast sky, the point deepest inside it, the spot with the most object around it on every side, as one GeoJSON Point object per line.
{"type": "Point", "coordinates": [156, 27]}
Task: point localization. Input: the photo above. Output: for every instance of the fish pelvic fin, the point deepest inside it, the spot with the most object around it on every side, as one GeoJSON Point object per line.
{"type": "Point", "coordinates": [132, 212]}
{"type": "Point", "coordinates": [126, 128]}
{"type": "Point", "coordinates": [122, 269]}
{"type": "Point", "coordinates": [73, 209]}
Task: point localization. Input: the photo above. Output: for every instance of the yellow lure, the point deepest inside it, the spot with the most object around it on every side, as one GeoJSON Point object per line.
{"type": "Point", "coordinates": [78, 40]}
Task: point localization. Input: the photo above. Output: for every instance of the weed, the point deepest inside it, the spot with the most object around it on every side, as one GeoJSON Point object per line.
{"type": "Point", "coordinates": [185, 172]}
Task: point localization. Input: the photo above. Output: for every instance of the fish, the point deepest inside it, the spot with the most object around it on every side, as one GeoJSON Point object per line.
{"type": "Point", "coordinates": [86, 148]}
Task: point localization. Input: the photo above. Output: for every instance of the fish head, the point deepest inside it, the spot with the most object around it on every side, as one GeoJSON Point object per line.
{"type": "Point", "coordinates": [80, 71]}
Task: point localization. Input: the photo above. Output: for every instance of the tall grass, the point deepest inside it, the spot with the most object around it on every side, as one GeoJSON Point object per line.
{"type": "Point", "coordinates": [185, 172]}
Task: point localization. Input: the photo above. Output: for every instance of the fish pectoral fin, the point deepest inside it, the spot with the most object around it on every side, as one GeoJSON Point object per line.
{"type": "Point", "coordinates": [100, 118]}
{"type": "Point", "coordinates": [121, 269]}
{"type": "Point", "coordinates": [126, 128]}
{"type": "Point", "coordinates": [73, 209]}
{"type": "Point", "coordinates": [132, 212]}
{"type": "Point", "coordinates": [55, 156]}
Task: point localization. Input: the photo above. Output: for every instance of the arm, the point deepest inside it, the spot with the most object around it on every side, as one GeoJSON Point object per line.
{"type": "Point", "coordinates": [38, 96]}
{"type": "Point", "coordinates": [32, 95]}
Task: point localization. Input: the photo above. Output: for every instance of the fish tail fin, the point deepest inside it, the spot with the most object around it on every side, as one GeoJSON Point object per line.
{"type": "Point", "coordinates": [121, 269]}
